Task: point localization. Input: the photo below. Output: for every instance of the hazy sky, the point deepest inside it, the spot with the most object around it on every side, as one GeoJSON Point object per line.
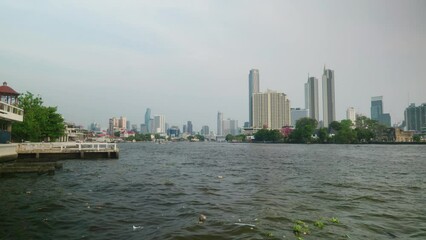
{"type": "Point", "coordinates": [189, 59]}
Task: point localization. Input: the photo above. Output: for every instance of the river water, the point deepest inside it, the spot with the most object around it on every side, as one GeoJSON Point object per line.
{"type": "Point", "coordinates": [246, 191]}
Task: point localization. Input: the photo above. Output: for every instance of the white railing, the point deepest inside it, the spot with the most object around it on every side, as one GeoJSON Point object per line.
{"type": "Point", "coordinates": [66, 146]}
{"type": "Point", "coordinates": [10, 112]}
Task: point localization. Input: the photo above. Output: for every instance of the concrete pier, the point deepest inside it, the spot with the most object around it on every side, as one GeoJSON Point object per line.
{"type": "Point", "coordinates": [8, 152]}
{"type": "Point", "coordinates": [70, 150]}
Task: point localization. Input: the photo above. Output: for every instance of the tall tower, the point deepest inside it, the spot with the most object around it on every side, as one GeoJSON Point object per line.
{"type": "Point", "coordinates": [376, 108]}
{"type": "Point", "coordinates": [253, 88]}
{"type": "Point", "coordinates": [311, 97]}
{"type": "Point", "coordinates": [147, 120]}
{"type": "Point", "coordinates": [329, 109]}
{"type": "Point", "coordinates": [219, 124]}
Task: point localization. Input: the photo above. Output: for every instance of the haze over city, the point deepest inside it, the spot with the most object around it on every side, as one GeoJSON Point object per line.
{"type": "Point", "coordinates": [188, 60]}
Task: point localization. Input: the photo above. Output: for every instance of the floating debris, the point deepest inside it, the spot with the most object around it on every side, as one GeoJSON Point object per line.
{"type": "Point", "coordinates": [137, 227]}
{"type": "Point", "coordinates": [245, 224]}
{"type": "Point", "coordinates": [220, 177]}
{"type": "Point", "coordinates": [202, 218]}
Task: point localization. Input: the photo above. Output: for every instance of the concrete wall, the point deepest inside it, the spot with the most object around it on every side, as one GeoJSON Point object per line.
{"type": "Point", "coordinates": [8, 152]}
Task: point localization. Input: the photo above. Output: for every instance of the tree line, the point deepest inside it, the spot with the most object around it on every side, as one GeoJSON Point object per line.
{"type": "Point", "coordinates": [364, 130]}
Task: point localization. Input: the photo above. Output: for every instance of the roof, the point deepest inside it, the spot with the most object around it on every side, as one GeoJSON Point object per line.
{"type": "Point", "coordinates": [7, 90]}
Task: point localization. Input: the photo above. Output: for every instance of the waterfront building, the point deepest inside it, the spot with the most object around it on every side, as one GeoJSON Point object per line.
{"type": "Point", "coordinates": [147, 120]}
{"type": "Point", "coordinates": [128, 126]}
{"type": "Point", "coordinates": [253, 88]}
{"type": "Point", "coordinates": [184, 128]}
{"type": "Point", "coordinates": [271, 110]}
{"type": "Point", "coordinates": [173, 132]}
{"type": "Point", "coordinates": [219, 124]}
{"type": "Point", "coordinates": [205, 130]}
{"type": "Point", "coordinates": [230, 126]}
{"type": "Point", "coordinates": [351, 114]}
{"type": "Point", "coordinates": [311, 98]}
{"type": "Point", "coordinates": [377, 111]}
{"type": "Point", "coordinates": [415, 117]}
{"type": "Point", "coordinates": [9, 112]}
{"type": "Point", "coordinates": [298, 113]}
{"type": "Point", "coordinates": [328, 98]}
{"type": "Point", "coordinates": [159, 124]}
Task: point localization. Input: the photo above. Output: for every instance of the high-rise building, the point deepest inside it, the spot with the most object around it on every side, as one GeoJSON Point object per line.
{"type": "Point", "coordinates": [184, 128]}
{"type": "Point", "coordinates": [113, 126]}
{"type": "Point", "coordinates": [253, 88]}
{"type": "Point", "coordinates": [351, 114]}
{"type": "Point", "coordinates": [415, 117]}
{"type": "Point", "coordinates": [219, 124]}
{"type": "Point", "coordinates": [376, 108]}
{"type": "Point", "coordinates": [311, 98]}
{"type": "Point", "coordinates": [205, 130]}
{"type": "Point", "coordinates": [189, 127]}
{"type": "Point", "coordinates": [122, 123]}
{"type": "Point", "coordinates": [95, 127]}
{"type": "Point", "coordinates": [230, 126]}
{"type": "Point", "coordinates": [173, 131]}
{"type": "Point", "coordinates": [329, 108]}
{"type": "Point", "coordinates": [271, 109]}
{"type": "Point", "coordinates": [147, 120]}
{"type": "Point", "coordinates": [159, 124]}
{"type": "Point", "coordinates": [377, 111]}
{"type": "Point", "coordinates": [128, 126]}
{"type": "Point", "coordinates": [298, 113]}
{"type": "Point", "coordinates": [144, 129]}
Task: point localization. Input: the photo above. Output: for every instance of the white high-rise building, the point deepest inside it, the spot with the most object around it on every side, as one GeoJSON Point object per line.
{"type": "Point", "coordinates": [329, 109]}
{"type": "Point", "coordinates": [159, 124]}
{"type": "Point", "coordinates": [311, 98]}
{"type": "Point", "coordinates": [253, 88]}
{"type": "Point", "coordinates": [219, 124]}
{"type": "Point", "coordinates": [230, 126]}
{"type": "Point", "coordinates": [351, 114]}
{"type": "Point", "coordinates": [271, 109]}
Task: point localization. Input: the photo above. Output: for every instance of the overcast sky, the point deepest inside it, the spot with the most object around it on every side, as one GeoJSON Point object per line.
{"type": "Point", "coordinates": [189, 59]}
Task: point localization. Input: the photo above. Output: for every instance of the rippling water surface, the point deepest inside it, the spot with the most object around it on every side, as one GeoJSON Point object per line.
{"type": "Point", "coordinates": [247, 191]}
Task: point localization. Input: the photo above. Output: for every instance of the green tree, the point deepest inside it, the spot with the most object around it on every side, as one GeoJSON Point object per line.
{"type": "Point", "coordinates": [305, 128]}
{"type": "Point", "coordinates": [40, 122]}
{"type": "Point", "coordinates": [261, 135]}
{"type": "Point", "coordinates": [200, 137]}
{"type": "Point", "coordinates": [229, 137]}
{"type": "Point", "coordinates": [323, 135]}
{"type": "Point", "coordinates": [416, 138]}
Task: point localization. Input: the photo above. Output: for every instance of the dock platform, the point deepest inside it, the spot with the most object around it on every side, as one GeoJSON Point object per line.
{"type": "Point", "coordinates": [45, 152]}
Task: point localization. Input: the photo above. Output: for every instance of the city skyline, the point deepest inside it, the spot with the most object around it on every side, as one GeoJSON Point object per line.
{"type": "Point", "coordinates": [99, 59]}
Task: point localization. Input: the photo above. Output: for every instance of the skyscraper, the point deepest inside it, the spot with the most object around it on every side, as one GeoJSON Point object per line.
{"type": "Point", "coordinates": [271, 109]}
{"type": "Point", "coordinates": [189, 127]}
{"type": "Point", "coordinates": [147, 120]}
{"type": "Point", "coordinates": [253, 88]}
{"type": "Point", "coordinates": [350, 114]}
{"type": "Point", "coordinates": [415, 117]}
{"type": "Point", "coordinates": [230, 126]}
{"type": "Point", "coordinates": [311, 97]}
{"type": "Point", "coordinates": [377, 111]}
{"type": "Point", "coordinates": [329, 109]}
{"type": "Point", "coordinates": [219, 124]}
{"type": "Point", "coordinates": [205, 130]}
{"type": "Point", "coordinates": [159, 124]}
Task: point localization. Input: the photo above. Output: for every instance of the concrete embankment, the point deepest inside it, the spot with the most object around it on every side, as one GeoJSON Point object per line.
{"type": "Point", "coordinates": [8, 152]}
